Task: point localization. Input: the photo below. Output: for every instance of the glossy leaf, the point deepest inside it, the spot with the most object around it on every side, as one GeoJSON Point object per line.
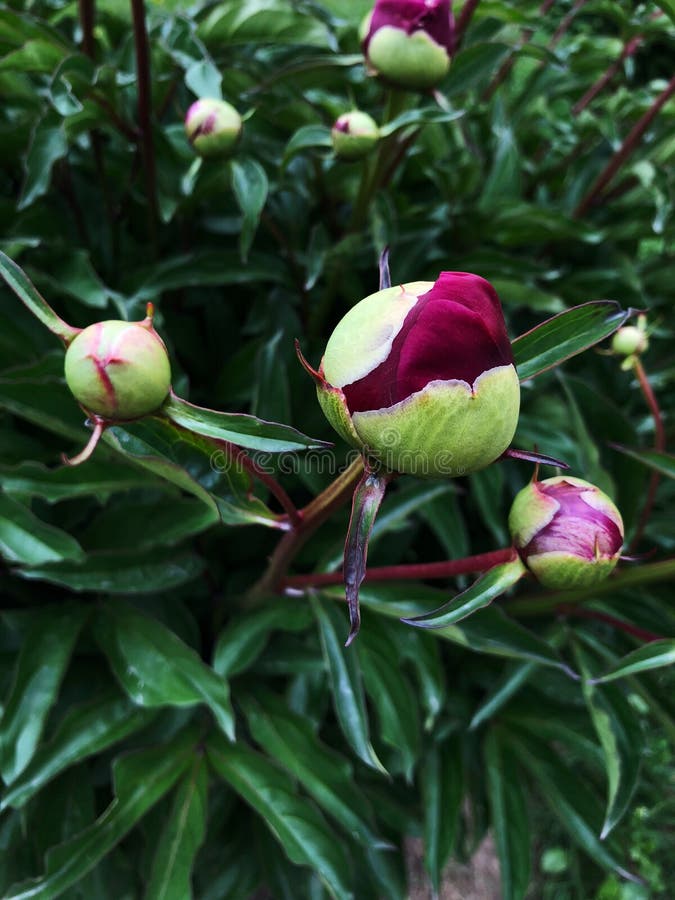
{"type": "Point", "coordinates": [660, 462]}
{"type": "Point", "coordinates": [45, 654]}
{"type": "Point", "coordinates": [479, 595]}
{"type": "Point", "coordinates": [84, 731]}
{"type": "Point", "coordinates": [250, 185]}
{"type": "Point", "coordinates": [242, 430]}
{"type": "Point", "coordinates": [510, 817]}
{"type": "Point", "coordinates": [565, 335]}
{"type": "Point", "coordinates": [295, 822]}
{"type": "Point", "coordinates": [95, 478]}
{"type": "Point", "coordinates": [181, 838]}
{"type": "Point", "coordinates": [27, 540]}
{"type": "Point", "coordinates": [654, 655]}
{"type": "Point", "coordinates": [140, 781]}
{"type": "Point", "coordinates": [346, 681]}
{"type": "Point", "coordinates": [156, 668]}
{"type": "Point", "coordinates": [621, 739]}
{"type": "Point", "coordinates": [19, 282]}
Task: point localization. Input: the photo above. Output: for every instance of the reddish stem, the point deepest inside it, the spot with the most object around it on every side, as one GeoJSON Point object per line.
{"type": "Point", "coordinates": [463, 21]}
{"type": "Point", "coordinates": [627, 148]}
{"type": "Point", "coordinates": [640, 633]}
{"type": "Point", "coordinates": [566, 22]}
{"type": "Point", "coordinates": [244, 460]}
{"type": "Point", "coordinates": [507, 65]}
{"type": "Point", "coordinates": [659, 447]}
{"type": "Point", "coordinates": [145, 110]}
{"type": "Point", "coordinates": [416, 571]}
{"type": "Point", "coordinates": [86, 8]}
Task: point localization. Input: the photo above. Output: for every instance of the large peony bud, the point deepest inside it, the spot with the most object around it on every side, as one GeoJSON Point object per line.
{"type": "Point", "coordinates": [568, 533]}
{"type": "Point", "coordinates": [213, 127]}
{"type": "Point", "coordinates": [118, 370]}
{"type": "Point", "coordinates": [422, 377]}
{"type": "Point", "coordinates": [410, 42]}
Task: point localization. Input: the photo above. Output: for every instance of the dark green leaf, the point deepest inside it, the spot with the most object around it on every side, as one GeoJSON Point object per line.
{"type": "Point", "coordinates": [94, 477]}
{"type": "Point", "coordinates": [652, 656]}
{"type": "Point", "coordinates": [48, 145]}
{"type": "Point", "coordinates": [442, 787]}
{"type": "Point", "coordinates": [660, 462]}
{"type": "Point", "coordinates": [250, 186]}
{"type": "Point", "coordinates": [18, 281]}
{"type": "Point", "coordinates": [44, 657]}
{"type": "Point", "coordinates": [295, 823]}
{"type": "Point", "coordinates": [565, 335]}
{"type": "Point", "coordinates": [27, 540]}
{"type": "Point", "coordinates": [156, 668]}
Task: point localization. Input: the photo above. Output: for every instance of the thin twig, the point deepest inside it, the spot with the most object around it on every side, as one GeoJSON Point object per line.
{"type": "Point", "coordinates": [481, 562]}
{"type": "Point", "coordinates": [463, 21]}
{"type": "Point", "coordinates": [625, 150]}
{"type": "Point", "coordinates": [86, 9]}
{"type": "Point", "coordinates": [659, 447]}
{"type": "Point", "coordinates": [583, 613]}
{"type": "Point", "coordinates": [145, 112]}
{"type": "Point", "coordinates": [507, 65]}
{"type": "Point", "coordinates": [240, 457]}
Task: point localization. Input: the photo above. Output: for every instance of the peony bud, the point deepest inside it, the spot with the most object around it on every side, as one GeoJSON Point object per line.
{"type": "Point", "coordinates": [354, 135]}
{"type": "Point", "coordinates": [212, 127]}
{"type": "Point", "coordinates": [118, 370]}
{"type": "Point", "coordinates": [409, 42]}
{"type": "Point", "coordinates": [421, 376]}
{"type": "Point", "coordinates": [568, 533]}
{"type": "Point", "coordinates": [630, 340]}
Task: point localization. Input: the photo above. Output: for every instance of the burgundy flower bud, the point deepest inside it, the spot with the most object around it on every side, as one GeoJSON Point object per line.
{"type": "Point", "coordinates": [410, 42]}
{"type": "Point", "coordinates": [422, 376]}
{"type": "Point", "coordinates": [354, 135]}
{"type": "Point", "coordinates": [212, 127]}
{"type": "Point", "coordinates": [118, 370]}
{"type": "Point", "coordinates": [567, 531]}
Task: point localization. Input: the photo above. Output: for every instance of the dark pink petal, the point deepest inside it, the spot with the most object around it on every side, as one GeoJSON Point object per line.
{"type": "Point", "coordinates": [455, 331]}
{"type": "Point", "coordinates": [432, 16]}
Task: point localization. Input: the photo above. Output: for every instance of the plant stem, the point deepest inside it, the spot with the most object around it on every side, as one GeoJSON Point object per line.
{"type": "Point", "coordinates": [463, 21]}
{"type": "Point", "coordinates": [659, 447]}
{"type": "Point", "coordinates": [86, 9]}
{"type": "Point", "coordinates": [541, 604]}
{"type": "Point", "coordinates": [311, 517]}
{"type": "Point", "coordinates": [507, 65]}
{"type": "Point", "coordinates": [640, 633]}
{"type": "Point", "coordinates": [625, 150]}
{"type": "Point", "coordinates": [145, 113]}
{"type": "Point", "coordinates": [415, 571]}
{"type": "Point", "coordinates": [242, 458]}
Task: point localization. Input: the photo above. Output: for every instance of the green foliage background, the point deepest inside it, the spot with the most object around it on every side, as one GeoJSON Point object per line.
{"type": "Point", "coordinates": [163, 735]}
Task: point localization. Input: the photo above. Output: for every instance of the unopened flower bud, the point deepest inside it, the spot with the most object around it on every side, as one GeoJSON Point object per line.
{"type": "Point", "coordinates": [118, 370]}
{"type": "Point", "coordinates": [354, 135]}
{"type": "Point", "coordinates": [421, 376]}
{"type": "Point", "coordinates": [568, 532]}
{"type": "Point", "coordinates": [410, 42]}
{"type": "Point", "coordinates": [212, 127]}
{"type": "Point", "coordinates": [631, 340]}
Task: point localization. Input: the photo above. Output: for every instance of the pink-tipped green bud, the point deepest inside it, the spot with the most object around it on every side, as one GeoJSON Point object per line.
{"type": "Point", "coordinates": [568, 532]}
{"type": "Point", "coordinates": [118, 370]}
{"type": "Point", "coordinates": [354, 135]}
{"type": "Point", "coordinates": [421, 376]}
{"type": "Point", "coordinates": [213, 127]}
{"type": "Point", "coordinates": [631, 340]}
{"type": "Point", "coordinates": [409, 42]}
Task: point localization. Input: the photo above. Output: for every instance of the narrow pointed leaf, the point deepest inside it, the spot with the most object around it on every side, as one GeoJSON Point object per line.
{"type": "Point", "coordinates": [238, 428]}
{"type": "Point", "coordinates": [293, 820]}
{"type": "Point", "coordinates": [44, 657]}
{"type": "Point", "coordinates": [84, 731]}
{"type": "Point", "coordinates": [368, 496]}
{"type": "Point", "coordinates": [654, 655]}
{"type": "Point", "coordinates": [510, 817]}
{"type": "Point", "coordinates": [514, 679]}
{"type": "Point", "coordinates": [660, 462]}
{"type": "Point", "coordinates": [442, 787]}
{"type": "Point", "coordinates": [344, 672]}
{"type": "Point", "coordinates": [621, 738]}
{"type": "Point", "coordinates": [181, 838]}
{"type": "Point", "coordinates": [156, 668]}
{"type": "Point", "coordinates": [29, 295]}
{"type": "Point", "coordinates": [479, 595]}
{"type": "Point", "coordinates": [563, 336]}
{"type": "Point", "coordinates": [140, 781]}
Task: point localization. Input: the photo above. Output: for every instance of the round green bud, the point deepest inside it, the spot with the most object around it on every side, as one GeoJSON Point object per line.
{"type": "Point", "coordinates": [354, 135]}
{"type": "Point", "coordinates": [629, 341]}
{"type": "Point", "coordinates": [118, 370]}
{"type": "Point", "coordinates": [213, 127]}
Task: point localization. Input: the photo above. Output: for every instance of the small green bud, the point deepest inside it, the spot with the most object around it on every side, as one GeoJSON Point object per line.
{"type": "Point", "coordinates": [354, 135]}
{"type": "Point", "coordinates": [118, 370]}
{"type": "Point", "coordinates": [213, 127]}
{"type": "Point", "coordinates": [631, 340]}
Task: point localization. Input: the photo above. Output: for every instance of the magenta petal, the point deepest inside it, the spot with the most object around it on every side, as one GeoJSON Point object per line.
{"type": "Point", "coordinates": [432, 16]}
